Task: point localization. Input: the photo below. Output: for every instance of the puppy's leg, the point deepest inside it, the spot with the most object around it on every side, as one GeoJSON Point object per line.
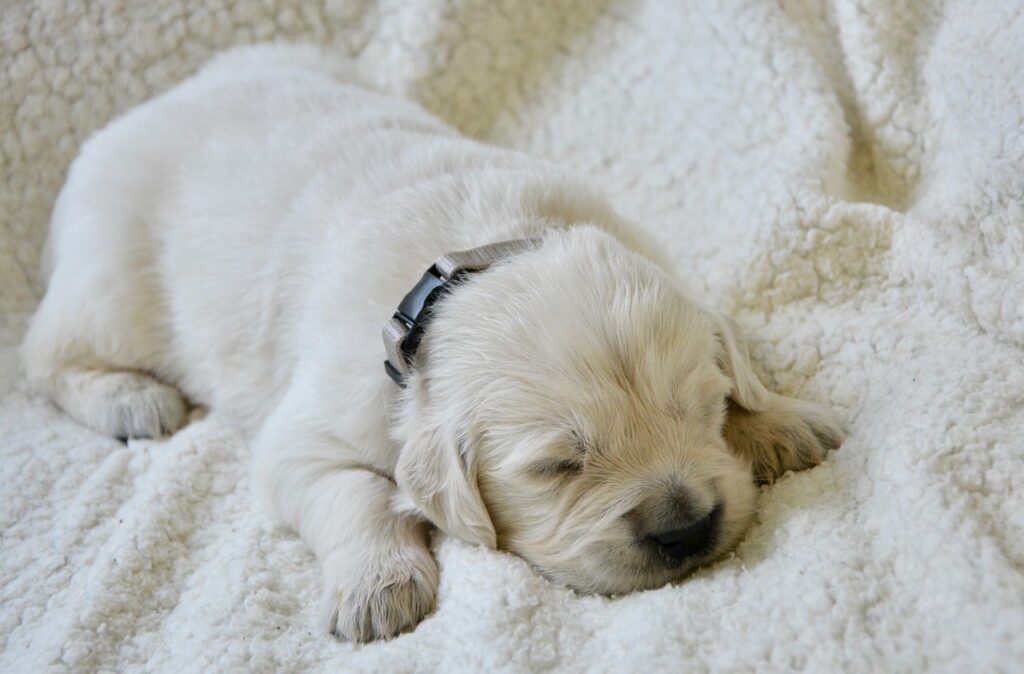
{"type": "Point", "coordinates": [121, 403]}
{"type": "Point", "coordinates": [786, 434]}
{"type": "Point", "coordinates": [379, 575]}
{"type": "Point", "coordinates": [68, 353]}
{"type": "Point", "coordinates": [103, 322]}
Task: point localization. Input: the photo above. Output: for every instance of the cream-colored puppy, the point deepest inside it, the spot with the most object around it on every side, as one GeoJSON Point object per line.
{"type": "Point", "coordinates": [239, 242]}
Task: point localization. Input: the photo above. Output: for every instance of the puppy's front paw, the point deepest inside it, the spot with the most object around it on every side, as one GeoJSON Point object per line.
{"type": "Point", "coordinates": [383, 598]}
{"type": "Point", "coordinates": [790, 435]}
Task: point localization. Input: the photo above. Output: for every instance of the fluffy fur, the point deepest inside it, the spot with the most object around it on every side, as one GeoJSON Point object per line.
{"type": "Point", "coordinates": [239, 241]}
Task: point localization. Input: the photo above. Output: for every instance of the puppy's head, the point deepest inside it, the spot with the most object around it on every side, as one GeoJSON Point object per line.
{"type": "Point", "coordinates": [568, 406]}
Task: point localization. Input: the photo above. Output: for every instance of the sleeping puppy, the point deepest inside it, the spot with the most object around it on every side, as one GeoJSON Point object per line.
{"type": "Point", "coordinates": [239, 241]}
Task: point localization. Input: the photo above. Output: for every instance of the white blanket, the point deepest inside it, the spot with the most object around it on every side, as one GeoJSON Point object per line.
{"type": "Point", "coordinates": [846, 177]}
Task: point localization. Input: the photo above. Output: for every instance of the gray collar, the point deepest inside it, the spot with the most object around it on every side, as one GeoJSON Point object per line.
{"type": "Point", "coordinates": [402, 334]}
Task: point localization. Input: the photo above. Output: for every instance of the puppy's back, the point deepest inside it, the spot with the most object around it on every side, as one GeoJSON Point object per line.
{"type": "Point", "coordinates": [174, 247]}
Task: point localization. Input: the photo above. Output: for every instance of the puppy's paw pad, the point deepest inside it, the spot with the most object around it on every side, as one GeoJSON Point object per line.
{"type": "Point", "coordinates": [381, 604]}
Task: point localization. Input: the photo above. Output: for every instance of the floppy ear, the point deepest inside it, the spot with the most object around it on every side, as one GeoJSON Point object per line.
{"type": "Point", "coordinates": [747, 390]}
{"type": "Point", "coordinates": [437, 471]}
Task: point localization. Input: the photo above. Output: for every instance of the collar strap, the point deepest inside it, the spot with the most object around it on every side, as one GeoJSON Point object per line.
{"type": "Point", "coordinates": [402, 334]}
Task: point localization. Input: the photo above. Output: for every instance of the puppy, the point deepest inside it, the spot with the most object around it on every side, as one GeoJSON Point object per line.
{"type": "Point", "coordinates": [240, 240]}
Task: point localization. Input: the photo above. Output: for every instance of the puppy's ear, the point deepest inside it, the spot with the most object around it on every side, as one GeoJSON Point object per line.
{"type": "Point", "coordinates": [438, 472]}
{"type": "Point", "coordinates": [747, 390]}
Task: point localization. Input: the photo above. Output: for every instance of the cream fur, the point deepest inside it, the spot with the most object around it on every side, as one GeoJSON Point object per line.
{"type": "Point", "coordinates": [242, 238]}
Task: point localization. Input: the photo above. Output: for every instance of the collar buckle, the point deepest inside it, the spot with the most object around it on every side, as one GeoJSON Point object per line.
{"type": "Point", "coordinates": [402, 334]}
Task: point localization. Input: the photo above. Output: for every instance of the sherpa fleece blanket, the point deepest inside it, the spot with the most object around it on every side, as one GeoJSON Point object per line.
{"type": "Point", "coordinates": [845, 176]}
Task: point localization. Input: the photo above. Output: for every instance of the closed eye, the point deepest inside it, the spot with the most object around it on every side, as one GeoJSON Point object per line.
{"type": "Point", "coordinates": [556, 468]}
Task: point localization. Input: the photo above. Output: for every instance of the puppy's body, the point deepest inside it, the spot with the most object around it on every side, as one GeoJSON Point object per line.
{"type": "Point", "coordinates": [242, 238]}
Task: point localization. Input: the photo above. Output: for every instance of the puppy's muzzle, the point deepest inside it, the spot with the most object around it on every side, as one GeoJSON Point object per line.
{"type": "Point", "coordinates": [676, 524]}
{"type": "Point", "coordinates": [694, 539]}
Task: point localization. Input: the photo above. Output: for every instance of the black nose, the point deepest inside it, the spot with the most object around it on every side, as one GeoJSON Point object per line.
{"type": "Point", "coordinates": [696, 538]}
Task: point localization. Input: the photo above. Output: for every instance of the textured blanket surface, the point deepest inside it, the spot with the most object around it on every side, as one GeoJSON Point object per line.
{"type": "Point", "coordinates": [846, 177]}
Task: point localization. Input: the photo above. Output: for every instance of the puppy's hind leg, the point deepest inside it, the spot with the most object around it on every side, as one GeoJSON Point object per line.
{"type": "Point", "coordinates": [81, 329]}
{"type": "Point", "coordinates": [89, 347]}
{"type": "Point", "coordinates": [379, 576]}
{"type": "Point", "coordinates": [103, 324]}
